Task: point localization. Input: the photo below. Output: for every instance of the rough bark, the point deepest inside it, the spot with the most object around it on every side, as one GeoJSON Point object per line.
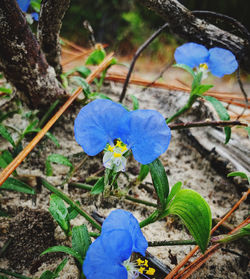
{"type": "Point", "coordinates": [21, 59]}
{"type": "Point", "coordinates": [191, 28]}
{"type": "Point", "coordinates": [49, 26]}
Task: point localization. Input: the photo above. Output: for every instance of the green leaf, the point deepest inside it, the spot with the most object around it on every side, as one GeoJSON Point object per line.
{"type": "Point", "coordinates": [48, 275]}
{"type": "Point", "coordinates": [61, 266]}
{"type": "Point", "coordinates": [83, 83]}
{"type": "Point", "coordinates": [96, 95]}
{"type": "Point", "coordinates": [35, 4]}
{"type": "Point", "coordinates": [135, 102]}
{"type": "Point", "coordinates": [248, 131]}
{"type": "Point", "coordinates": [83, 71]}
{"type": "Point", "coordinates": [241, 174]}
{"type": "Point", "coordinates": [5, 158]}
{"type": "Point", "coordinates": [175, 189]}
{"type": "Point", "coordinates": [186, 68]}
{"type": "Point", "coordinates": [5, 90]}
{"type": "Point", "coordinates": [58, 159]}
{"type": "Point", "coordinates": [98, 187]}
{"type": "Point", "coordinates": [200, 89]}
{"type": "Point", "coordinates": [96, 57]}
{"type": "Point", "coordinates": [80, 240]}
{"type": "Point", "coordinates": [223, 114]}
{"type": "Point", "coordinates": [195, 213]}
{"type": "Point", "coordinates": [59, 211]}
{"type": "Point", "coordinates": [160, 181]}
{"type": "Point", "coordinates": [53, 139]}
{"type": "Point", "coordinates": [196, 82]}
{"type": "Point", "coordinates": [143, 172]}
{"type": "Point", "coordinates": [13, 184]}
{"type": "Point", "coordinates": [6, 135]}
{"type": "Point", "coordinates": [63, 249]}
{"type": "Point", "coordinates": [72, 212]}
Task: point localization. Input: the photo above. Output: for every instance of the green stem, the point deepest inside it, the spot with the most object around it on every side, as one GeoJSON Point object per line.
{"type": "Point", "coordinates": [60, 194]}
{"type": "Point", "coordinates": [185, 108]}
{"type": "Point", "coordinates": [93, 234]}
{"type": "Point", "coordinates": [5, 246]}
{"type": "Point", "coordinates": [151, 219]}
{"type": "Point", "coordinates": [127, 197]}
{"type": "Point", "coordinates": [16, 275]}
{"type": "Point", "coordinates": [171, 243]}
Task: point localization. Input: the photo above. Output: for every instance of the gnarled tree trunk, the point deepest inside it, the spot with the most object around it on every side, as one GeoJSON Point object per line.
{"type": "Point", "coordinates": [22, 60]}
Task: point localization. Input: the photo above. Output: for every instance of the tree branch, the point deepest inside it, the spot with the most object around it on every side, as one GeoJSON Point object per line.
{"type": "Point", "coordinates": [21, 59]}
{"type": "Point", "coordinates": [179, 126]}
{"type": "Point", "coordinates": [191, 28]}
{"type": "Point", "coordinates": [49, 26]}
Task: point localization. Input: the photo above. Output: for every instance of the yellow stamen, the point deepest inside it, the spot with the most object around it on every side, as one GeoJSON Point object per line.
{"type": "Point", "coordinates": [204, 66]}
{"type": "Point", "coordinates": [111, 148]}
{"type": "Point", "coordinates": [117, 155]}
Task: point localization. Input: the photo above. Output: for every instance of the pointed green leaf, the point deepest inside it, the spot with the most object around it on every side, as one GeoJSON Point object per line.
{"type": "Point", "coordinates": [160, 181]}
{"type": "Point", "coordinates": [72, 212]}
{"type": "Point", "coordinates": [53, 139]}
{"type": "Point", "coordinates": [84, 71]}
{"type": "Point", "coordinates": [98, 187]}
{"type": "Point", "coordinates": [96, 57]}
{"type": "Point", "coordinates": [241, 174]}
{"type": "Point", "coordinates": [143, 172]}
{"type": "Point", "coordinates": [186, 68]}
{"type": "Point", "coordinates": [83, 83]}
{"type": "Point", "coordinates": [195, 214]}
{"type": "Point", "coordinates": [223, 114]}
{"type": "Point", "coordinates": [58, 210]}
{"type": "Point", "coordinates": [63, 249]}
{"type": "Point", "coordinates": [13, 184]}
{"type": "Point", "coordinates": [61, 266]}
{"type": "Point", "coordinates": [200, 89]}
{"type": "Point", "coordinates": [96, 95]}
{"type": "Point", "coordinates": [6, 135]}
{"type": "Point", "coordinates": [48, 275]}
{"type": "Point", "coordinates": [175, 189]}
{"type": "Point", "coordinates": [135, 102]}
{"type": "Point", "coordinates": [80, 240]}
{"type": "Point", "coordinates": [5, 90]}
{"type": "Point", "coordinates": [58, 159]}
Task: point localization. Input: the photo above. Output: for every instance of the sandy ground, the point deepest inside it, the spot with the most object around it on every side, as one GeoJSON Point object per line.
{"type": "Point", "coordinates": [182, 162]}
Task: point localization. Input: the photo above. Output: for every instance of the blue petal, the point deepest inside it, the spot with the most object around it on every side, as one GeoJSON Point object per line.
{"type": "Point", "coordinates": [191, 54]}
{"type": "Point", "coordinates": [96, 125]}
{"type": "Point", "coordinates": [221, 62]}
{"type": "Point", "coordinates": [35, 16]}
{"type": "Point", "coordinates": [105, 256]}
{"type": "Point", "coordinates": [147, 133]}
{"type": "Point", "coordinates": [124, 220]}
{"type": "Point", "coordinates": [23, 4]}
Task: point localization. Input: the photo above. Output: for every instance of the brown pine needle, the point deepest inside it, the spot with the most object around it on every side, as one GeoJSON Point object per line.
{"type": "Point", "coordinates": [22, 155]}
{"type": "Point", "coordinates": [186, 259]}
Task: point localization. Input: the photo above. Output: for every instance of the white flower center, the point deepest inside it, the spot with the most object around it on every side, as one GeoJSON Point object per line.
{"type": "Point", "coordinates": [113, 158]}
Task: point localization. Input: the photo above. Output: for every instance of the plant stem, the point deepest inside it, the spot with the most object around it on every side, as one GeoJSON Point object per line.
{"type": "Point", "coordinates": [127, 197]}
{"type": "Point", "coordinates": [171, 243]}
{"type": "Point", "coordinates": [93, 234]}
{"type": "Point", "coordinates": [47, 114]}
{"type": "Point", "coordinates": [17, 275]}
{"type": "Point", "coordinates": [60, 194]}
{"type": "Point", "coordinates": [151, 219]}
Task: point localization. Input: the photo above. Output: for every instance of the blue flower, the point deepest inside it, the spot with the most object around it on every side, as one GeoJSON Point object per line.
{"type": "Point", "coordinates": [24, 5]}
{"type": "Point", "coordinates": [217, 60]}
{"type": "Point", "coordinates": [145, 132]}
{"type": "Point", "coordinates": [107, 257]}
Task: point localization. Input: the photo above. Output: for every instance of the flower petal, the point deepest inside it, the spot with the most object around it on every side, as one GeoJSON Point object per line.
{"type": "Point", "coordinates": [221, 62]}
{"type": "Point", "coordinates": [96, 124]}
{"type": "Point", "coordinates": [23, 4]}
{"type": "Point", "coordinates": [124, 220]}
{"type": "Point", "coordinates": [191, 54]}
{"type": "Point", "coordinates": [105, 256]}
{"type": "Point", "coordinates": [146, 133]}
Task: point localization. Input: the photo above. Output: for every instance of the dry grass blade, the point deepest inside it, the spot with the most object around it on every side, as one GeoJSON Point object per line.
{"type": "Point", "coordinates": [173, 273]}
{"type": "Point", "coordinates": [22, 155]}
